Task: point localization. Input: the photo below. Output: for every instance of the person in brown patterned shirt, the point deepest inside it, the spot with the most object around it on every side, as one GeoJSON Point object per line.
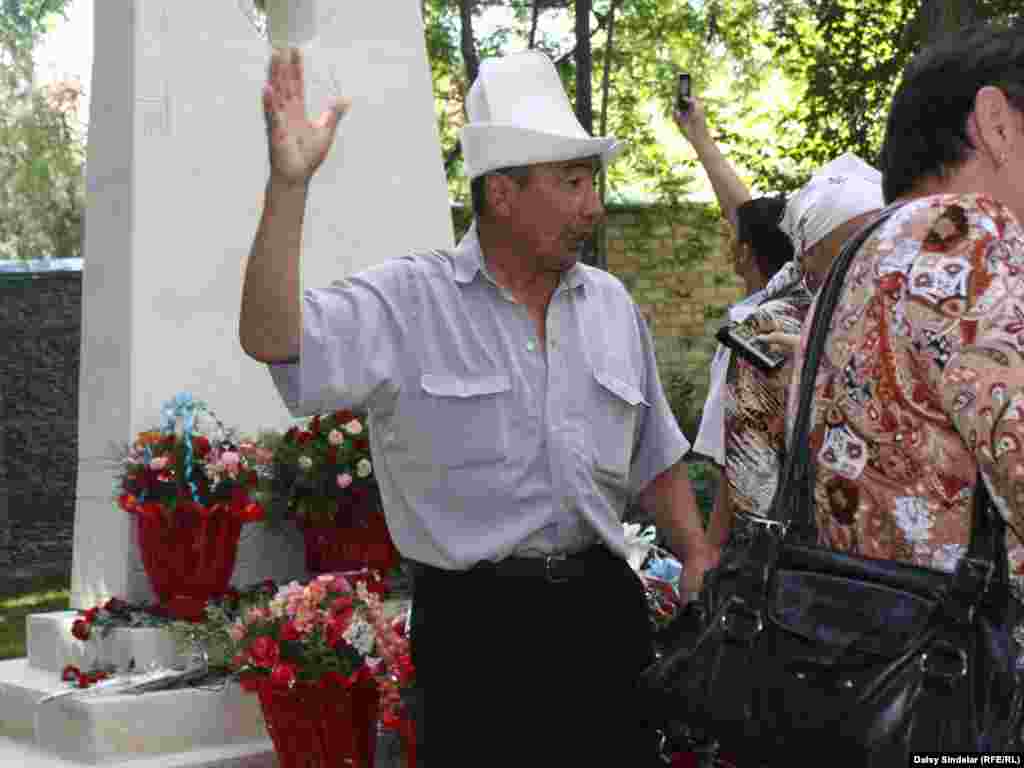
{"type": "Point", "coordinates": [818, 219]}
{"type": "Point", "coordinates": [922, 379]}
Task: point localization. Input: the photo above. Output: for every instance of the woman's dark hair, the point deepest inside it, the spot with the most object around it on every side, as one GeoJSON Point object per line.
{"type": "Point", "coordinates": [926, 133]}
{"type": "Point", "coordinates": [758, 227]}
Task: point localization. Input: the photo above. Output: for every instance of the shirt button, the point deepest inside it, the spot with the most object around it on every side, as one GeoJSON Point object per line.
{"type": "Point", "coordinates": [566, 504]}
{"type": "Point", "coordinates": [554, 344]}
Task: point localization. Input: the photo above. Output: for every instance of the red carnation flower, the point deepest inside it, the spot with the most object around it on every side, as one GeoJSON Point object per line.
{"type": "Point", "coordinates": [291, 434]}
{"type": "Point", "coordinates": [265, 652]}
{"type": "Point", "coordinates": [71, 672]}
{"type": "Point", "coordinates": [304, 437]}
{"type": "Point", "coordinates": [332, 679]}
{"type": "Point", "coordinates": [282, 675]}
{"type": "Point", "coordinates": [289, 631]}
{"type": "Point", "coordinates": [334, 630]}
{"type": "Point", "coordinates": [90, 615]}
{"type": "Point", "coordinates": [332, 455]}
{"type": "Point", "coordinates": [314, 425]}
{"type": "Point", "coordinates": [81, 629]}
{"type": "Point", "coordinates": [362, 444]}
{"type": "Point", "coordinates": [200, 446]}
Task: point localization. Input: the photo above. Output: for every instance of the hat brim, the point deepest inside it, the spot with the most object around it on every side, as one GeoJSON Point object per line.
{"type": "Point", "coordinates": [487, 147]}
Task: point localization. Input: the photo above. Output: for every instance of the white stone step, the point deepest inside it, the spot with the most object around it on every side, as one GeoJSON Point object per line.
{"type": "Point", "coordinates": [17, 754]}
{"type": "Point", "coordinates": [163, 729]}
{"type": "Point", "coordinates": [51, 646]}
{"type": "Point", "coordinates": [102, 729]}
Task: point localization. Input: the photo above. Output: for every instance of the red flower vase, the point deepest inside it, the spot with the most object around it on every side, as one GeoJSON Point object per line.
{"type": "Point", "coordinates": [322, 727]}
{"type": "Point", "coordinates": [188, 556]}
{"type": "Point", "coordinates": [363, 543]}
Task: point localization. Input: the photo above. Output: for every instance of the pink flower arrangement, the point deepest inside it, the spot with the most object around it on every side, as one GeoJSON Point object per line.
{"type": "Point", "coordinates": [319, 633]}
{"type": "Point", "coordinates": [396, 672]}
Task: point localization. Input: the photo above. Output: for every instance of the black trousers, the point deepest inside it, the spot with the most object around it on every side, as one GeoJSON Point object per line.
{"type": "Point", "coordinates": [517, 670]}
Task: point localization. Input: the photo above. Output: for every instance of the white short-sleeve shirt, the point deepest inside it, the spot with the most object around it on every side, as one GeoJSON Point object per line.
{"type": "Point", "coordinates": [486, 444]}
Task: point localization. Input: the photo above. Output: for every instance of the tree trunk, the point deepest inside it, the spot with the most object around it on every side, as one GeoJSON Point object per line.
{"type": "Point", "coordinates": [601, 256]}
{"type": "Point", "coordinates": [534, 19]}
{"type": "Point", "coordinates": [468, 42]}
{"type": "Point", "coordinates": [584, 66]}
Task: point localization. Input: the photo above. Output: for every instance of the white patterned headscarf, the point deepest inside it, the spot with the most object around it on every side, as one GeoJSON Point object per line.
{"type": "Point", "coordinates": [842, 190]}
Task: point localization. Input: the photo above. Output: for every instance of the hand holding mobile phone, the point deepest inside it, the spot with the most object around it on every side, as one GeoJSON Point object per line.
{"type": "Point", "coordinates": [738, 339]}
{"type": "Point", "coordinates": [683, 93]}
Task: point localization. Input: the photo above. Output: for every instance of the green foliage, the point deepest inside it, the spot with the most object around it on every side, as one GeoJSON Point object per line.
{"type": "Point", "coordinates": [42, 186]}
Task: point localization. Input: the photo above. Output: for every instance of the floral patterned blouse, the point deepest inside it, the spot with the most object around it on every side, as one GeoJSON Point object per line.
{"type": "Point", "coordinates": [754, 402]}
{"type": "Point", "coordinates": [922, 383]}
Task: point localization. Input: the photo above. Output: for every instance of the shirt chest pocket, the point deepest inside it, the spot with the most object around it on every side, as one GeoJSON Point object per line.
{"type": "Point", "coordinates": [621, 407]}
{"type": "Point", "coordinates": [461, 420]}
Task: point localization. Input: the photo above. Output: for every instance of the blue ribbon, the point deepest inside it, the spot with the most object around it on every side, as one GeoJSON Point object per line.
{"type": "Point", "coordinates": [664, 568]}
{"type": "Point", "coordinates": [184, 407]}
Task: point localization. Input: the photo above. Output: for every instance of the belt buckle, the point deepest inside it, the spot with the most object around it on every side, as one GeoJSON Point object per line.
{"type": "Point", "coordinates": [549, 574]}
{"type": "Point", "coordinates": [764, 522]}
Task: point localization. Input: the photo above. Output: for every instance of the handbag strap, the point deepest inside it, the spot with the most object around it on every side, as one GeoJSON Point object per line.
{"type": "Point", "coordinates": [795, 490]}
{"type": "Point", "coordinates": [793, 504]}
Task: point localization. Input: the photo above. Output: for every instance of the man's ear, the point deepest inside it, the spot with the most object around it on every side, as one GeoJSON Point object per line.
{"type": "Point", "coordinates": [501, 191]}
{"type": "Point", "coordinates": [993, 123]}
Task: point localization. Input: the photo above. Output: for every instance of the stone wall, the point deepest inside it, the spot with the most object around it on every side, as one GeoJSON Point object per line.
{"type": "Point", "coordinates": [40, 317]}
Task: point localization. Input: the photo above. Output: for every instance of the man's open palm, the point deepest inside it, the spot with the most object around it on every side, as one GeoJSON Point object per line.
{"type": "Point", "coordinates": [297, 145]}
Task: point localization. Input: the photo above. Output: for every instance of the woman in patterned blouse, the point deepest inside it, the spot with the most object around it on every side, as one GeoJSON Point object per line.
{"type": "Point", "coordinates": [922, 382]}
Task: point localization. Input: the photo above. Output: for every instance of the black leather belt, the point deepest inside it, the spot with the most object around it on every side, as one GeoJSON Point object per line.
{"type": "Point", "coordinates": [555, 569]}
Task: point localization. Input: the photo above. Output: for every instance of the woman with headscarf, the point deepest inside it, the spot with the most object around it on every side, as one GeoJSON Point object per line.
{"type": "Point", "coordinates": [818, 219]}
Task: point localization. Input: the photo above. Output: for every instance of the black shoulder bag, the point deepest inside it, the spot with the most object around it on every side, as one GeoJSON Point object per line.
{"type": "Point", "coordinates": [794, 649]}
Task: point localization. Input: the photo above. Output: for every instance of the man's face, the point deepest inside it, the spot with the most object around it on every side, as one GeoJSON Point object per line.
{"type": "Point", "coordinates": [555, 212]}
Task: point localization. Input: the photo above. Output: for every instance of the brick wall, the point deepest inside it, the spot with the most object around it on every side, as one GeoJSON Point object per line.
{"type": "Point", "coordinates": [40, 318]}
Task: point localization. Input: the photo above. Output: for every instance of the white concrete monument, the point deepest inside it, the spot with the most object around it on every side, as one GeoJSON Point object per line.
{"type": "Point", "coordinates": [177, 166]}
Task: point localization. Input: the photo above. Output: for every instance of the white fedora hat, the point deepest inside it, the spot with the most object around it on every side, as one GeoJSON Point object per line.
{"type": "Point", "coordinates": [519, 115]}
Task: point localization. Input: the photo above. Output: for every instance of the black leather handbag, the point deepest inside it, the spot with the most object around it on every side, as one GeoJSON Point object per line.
{"type": "Point", "coordinates": [794, 649]}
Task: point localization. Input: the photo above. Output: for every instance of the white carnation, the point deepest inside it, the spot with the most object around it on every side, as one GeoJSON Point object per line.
{"type": "Point", "coordinates": [305, 463]}
{"type": "Point", "coordinates": [364, 468]}
{"type": "Point", "coordinates": [360, 635]}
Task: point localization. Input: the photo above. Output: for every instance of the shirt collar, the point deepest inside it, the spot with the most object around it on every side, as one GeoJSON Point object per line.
{"type": "Point", "coordinates": [469, 260]}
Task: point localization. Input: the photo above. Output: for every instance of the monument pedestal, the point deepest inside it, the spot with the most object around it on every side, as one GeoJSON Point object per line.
{"type": "Point", "coordinates": [214, 727]}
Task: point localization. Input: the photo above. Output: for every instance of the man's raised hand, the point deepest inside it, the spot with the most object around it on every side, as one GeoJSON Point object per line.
{"type": "Point", "coordinates": [297, 145]}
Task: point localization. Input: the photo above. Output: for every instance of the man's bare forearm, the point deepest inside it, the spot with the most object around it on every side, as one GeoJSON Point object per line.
{"type": "Point", "coordinates": [270, 325]}
{"type": "Point", "coordinates": [669, 498]}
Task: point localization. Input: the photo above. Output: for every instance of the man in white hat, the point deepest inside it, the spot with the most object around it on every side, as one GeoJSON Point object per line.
{"type": "Point", "coordinates": [515, 409]}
